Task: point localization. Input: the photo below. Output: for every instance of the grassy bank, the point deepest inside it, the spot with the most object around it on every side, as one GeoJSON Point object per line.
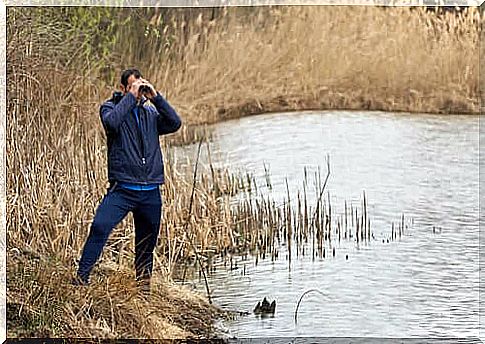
{"type": "Point", "coordinates": [42, 303]}
{"type": "Point", "coordinates": [215, 66]}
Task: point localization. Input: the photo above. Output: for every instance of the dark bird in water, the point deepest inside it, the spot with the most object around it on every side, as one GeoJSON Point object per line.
{"type": "Point", "coordinates": [265, 307]}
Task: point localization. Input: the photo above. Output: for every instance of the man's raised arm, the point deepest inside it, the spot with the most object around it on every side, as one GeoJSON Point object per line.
{"type": "Point", "coordinates": [113, 116]}
{"type": "Point", "coordinates": [168, 121]}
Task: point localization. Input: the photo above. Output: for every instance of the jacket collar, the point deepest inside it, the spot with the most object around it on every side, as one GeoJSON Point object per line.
{"type": "Point", "coordinates": [143, 100]}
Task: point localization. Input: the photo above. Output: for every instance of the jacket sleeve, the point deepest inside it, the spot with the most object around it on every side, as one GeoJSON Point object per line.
{"type": "Point", "coordinates": [113, 116]}
{"type": "Point", "coordinates": [168, 121]}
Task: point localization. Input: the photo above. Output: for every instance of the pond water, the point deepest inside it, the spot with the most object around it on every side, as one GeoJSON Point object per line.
{"type": "Point", "coordinates": [422, 166]}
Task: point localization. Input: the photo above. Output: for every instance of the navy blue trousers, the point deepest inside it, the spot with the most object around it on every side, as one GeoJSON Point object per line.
{"type": "Point", "coordinates": [146, 206]}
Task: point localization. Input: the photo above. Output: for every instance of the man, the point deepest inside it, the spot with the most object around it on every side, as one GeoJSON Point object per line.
{"type": "Point", "coordinates": [135, 172]}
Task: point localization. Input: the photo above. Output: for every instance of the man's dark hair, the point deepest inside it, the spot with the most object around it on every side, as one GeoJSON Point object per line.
{"type": "Point", "coordinates": [127, 73]}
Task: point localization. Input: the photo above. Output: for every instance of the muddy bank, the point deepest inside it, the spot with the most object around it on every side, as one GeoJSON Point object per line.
{"type": "Point", "coordinates": [411, 102]}
{"type": "Point", "coordinates": [327, 100]}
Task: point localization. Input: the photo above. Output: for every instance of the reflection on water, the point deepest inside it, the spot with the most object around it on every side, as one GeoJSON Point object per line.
{"type": "Point", "coordinates": [421, 165]}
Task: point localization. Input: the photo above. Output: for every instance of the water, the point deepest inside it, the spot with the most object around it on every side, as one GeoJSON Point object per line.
{"type": "Point", "coordinates": [422, 166]}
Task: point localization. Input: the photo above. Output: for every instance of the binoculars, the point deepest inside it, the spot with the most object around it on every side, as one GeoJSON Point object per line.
{"type": "Point", "coordinates": [144, 88]}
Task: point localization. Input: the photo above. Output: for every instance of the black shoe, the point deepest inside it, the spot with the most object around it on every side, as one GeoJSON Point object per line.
{"type": "Point", "coordinates": [78, 280]}
{"type": "Point", "coordinates": [143, 286]}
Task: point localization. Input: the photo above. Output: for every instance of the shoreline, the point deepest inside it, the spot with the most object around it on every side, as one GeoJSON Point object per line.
{"type": "Point", "coordinates": [193, 128]}
{"type": "Point", "coordinates": [344, 102]}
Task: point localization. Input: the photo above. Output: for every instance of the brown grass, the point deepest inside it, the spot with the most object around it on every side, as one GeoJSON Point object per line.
{"type": "Point", "coordinates": [294, 58]}
{"type": "Point", "coordinates": [41, 303]}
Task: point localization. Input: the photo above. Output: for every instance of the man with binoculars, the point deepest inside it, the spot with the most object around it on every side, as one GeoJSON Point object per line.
{"type": "Point", "coordinates": [135, 173]}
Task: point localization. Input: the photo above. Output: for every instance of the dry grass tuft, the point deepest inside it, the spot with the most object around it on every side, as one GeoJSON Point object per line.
{"type": "Point", "coordinates": [41, 302]}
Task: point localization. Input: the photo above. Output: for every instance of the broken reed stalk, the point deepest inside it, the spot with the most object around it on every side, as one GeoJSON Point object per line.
{"type": "Point", "coordinates": [186, 224]}
{"type": "Point", "coordinates": [214, 181]}
{"type": "Point", "coordinates": [367, 229]}
{"type": "Point", "coordinates": [289, 230]}
{"type": "Point", "coordinates": [321, 191]}
{"type": "Point", "coordinates": [301, 298]}
{"type": "Point", "coordinates": [402, 225]}
{"type": "Point", "coordinates": [345, 235]}
{"type": "Point", "coordinates": [329, 218]}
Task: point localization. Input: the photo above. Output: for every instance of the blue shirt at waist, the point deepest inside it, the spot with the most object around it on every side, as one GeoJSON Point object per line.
{"type": "Point", "coordinates": [138, 187]}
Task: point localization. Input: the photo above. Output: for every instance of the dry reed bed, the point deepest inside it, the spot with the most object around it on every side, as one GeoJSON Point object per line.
{"type": "Point", "coordinates": [222, 226]}
{"type": "Point", "coordinates": [303, 223]}
{"type": "Point", "coordinates": [294, 58]}
{"type": "Point", "coordinates": [310, 58]}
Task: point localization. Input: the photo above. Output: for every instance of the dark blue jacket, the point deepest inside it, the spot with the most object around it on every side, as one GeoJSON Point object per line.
{"type": "Point", "coordinates": [134, 154]}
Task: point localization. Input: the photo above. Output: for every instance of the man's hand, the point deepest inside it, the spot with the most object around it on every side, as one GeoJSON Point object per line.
{"type": "Point", "coordinates": [134, 88]}
{"type": "Point", "coordinates": [151, 90]}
